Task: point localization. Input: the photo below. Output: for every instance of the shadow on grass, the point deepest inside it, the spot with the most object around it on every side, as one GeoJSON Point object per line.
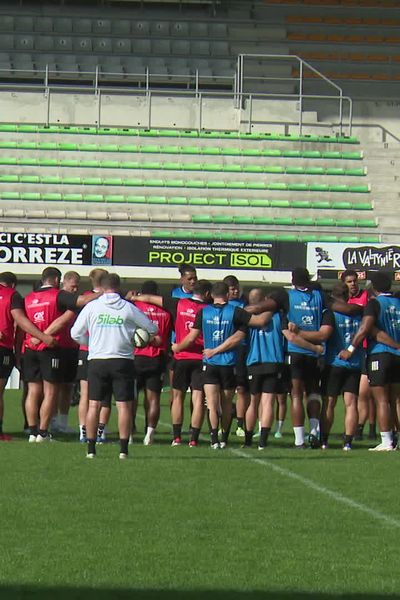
{"type": "Point", "coordinates": [78, 593]}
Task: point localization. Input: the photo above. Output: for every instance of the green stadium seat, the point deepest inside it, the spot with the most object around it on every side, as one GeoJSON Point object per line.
{"type": "Point", "coordinates": [134, 182]}
{"type": "Point", "coordinates": [9, 179]}
{"type": "Point", "coordinates": [30, 196]}
{"type": "Point", "coordinates": [243, 220]}
{"type": "Point", "coordinates": [284, 221]}
{"type": "Point", "coordinates": [197, 201]}
{"type": "Point", "coordinates": [339, 188]}
{"type": "Point", "coordinates": [202, 219]}
{"type": "Point", "coordinates": [10, 195]}
{"type": "Point", "coordinates": [216, 184]}
{"type": "Point", "coordinates": [263, 221]}
{"type": "Point", "coordinates": [269, 169]}
{"type": "Point", "coordinates": [51, 196]}
{"type": "Point", "coordinates": [194, 183]}
{"type": "Point", "coordinates": [267, 237]}
{"type": "Point", "coordinates": [319, 187]}
{"type": "Point", "coordinates": [309, 238]}
{"type": "Point", "coordinates": [356, 172]}
{"type": "Point", "coordinates": [321, 204]}
{"type": "Point", "coordinates": [5, 144]}
{"type": "Point", "coordinates": [292, 153]}
{"type": "Point", "coordinates": [298, 187]}
{"type": "Point", "coordinates": [224, 151]}
{"type": "Point", "coordinates": [119, 198]}
{"type": "Point", "coordinates": [294, 170]}
{"type": "Point", "coordinates": [105, 164]}
{"type": "Point", "coordinates": [192, 166]}
{"type": "Point", "coordinates": [193, 150]}
{"type": "Point", "coordinates": [239, 202]}
{"type": "Point", "coordinates": [182, 234]}
{"type": "Point", "coordinates": [227, 235]}
{"type": "Point", "coordinates": [325, 222]}
{"type": "Point", "coordinates": [67, 146]}
{"type": "Point", "coordinates": [256, 185]}
{"type": "Point", "coordinates": [147, 149]}
{"type": "Point", "coordinates": [286, 237]}
{"type": "Point", "coordinates": [314, 171]}
{"type": "Point", "coordinates": [304, 222]}
{"type": "Point", "coordinates": [169, 149]}
{"type": "Point", "coordinates": [335, 171]}
{"type": "Point", "coordinates": [49, 162]}
{"type": "Point", "coordinates": [151, 165]}
{"type": "Point", "coordinates": [252, 152]}
{"type": "Point", "coordinates": [30, 179]}
{"type": "Point", "coordinates": [72, 197]}
{"type": "Point", "coordinates": [174, 166]}
{"type": "Point", "coordinates": [153, 182]}
{"type": "Point", "coordinates": [213, 167]}
{"type": "Point", "coordinates": [156, 200]}
{"type": "Point", "coordinates": [26, 128]}
{"type": "Point", "coordinates": [218, 201]}
{"type": "Point", "coordinates": [191, 133]}
{"type": "Point", "coordinates": [11, 160]}
{"type": "Point", "coordinates": [161, 233]}
{"type": "Point", "coordinates": [327, 238]}
{"type": "Point", "coordinates": [259, 202]}
{"type": "Point", "coordinates": [311, 154]}
{"type": "Point", "coordinates": [279, 203]}
{"type": "Point", "coordinates": [244, 237]}
{"type": "Point", "coordinates": [177, 200]}
{"type": "Point", "coordinates": [276, 186]}
{"type": "Point", "coordinates": [100, 181]}
{"type": "Point", "coordinates": [94, 198]}
{"type": "Point", "coordinates": [301, 204]}
{"type": "Point", "coordinates": [71, 163]}
{"type": "Point", "coordinates": [136, 199]}
{"type": "Point", "coordinates": [222, 219]}
{"type": "Point", "coordinates": [342, 205]}
{"type": "Point", "coordinates": [179, 183]}
{"type": "Point", "coordinates": [366, 223]}
{"type": "Point", "coordinates": [233, 169]}
{"type": "Point", "coordinates": [89, 147]}
{"type": "Point", "coordinates": [363, 206]}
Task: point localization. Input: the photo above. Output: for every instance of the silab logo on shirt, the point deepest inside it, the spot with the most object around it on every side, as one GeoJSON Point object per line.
{"type": "Point", "coordinates": [106, 319]}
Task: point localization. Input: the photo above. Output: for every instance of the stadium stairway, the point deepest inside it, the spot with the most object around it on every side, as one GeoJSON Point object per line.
{"type": "Point", "coordinates": [186, 183]}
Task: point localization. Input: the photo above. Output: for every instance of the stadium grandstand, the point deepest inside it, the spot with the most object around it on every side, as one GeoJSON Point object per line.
{"type": "Point", "coordinates": [240, 126]}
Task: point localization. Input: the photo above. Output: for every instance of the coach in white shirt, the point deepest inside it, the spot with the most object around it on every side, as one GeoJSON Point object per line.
{"type": "Point", "coordinates": [106, 326]}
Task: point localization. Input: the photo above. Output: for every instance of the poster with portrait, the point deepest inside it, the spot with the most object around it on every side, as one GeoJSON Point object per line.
{"type": "Point", "coordinates": [102, 250]}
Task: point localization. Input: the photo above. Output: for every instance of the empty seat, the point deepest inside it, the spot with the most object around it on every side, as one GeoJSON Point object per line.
{"type": "Point", "coordinates": [81, 25]}
{"type": "Point", "coordinates": [140, 28]}
{"type": "Point", "coordinates": [219, 48]}
{"type": "Point", "coordinates": [44, 24]}
{"type": "Point", "coordinates": [44, 42]}
{"type": "Point", "coordinates": [121, 27]}
{"type": "Point", "coordinates": [23, 23]}
{"type": "Point", "coordinates": [6, 41]}
{"type": "Point", "coordinates": [180, 28]}
{"type": "Point", "coordinates": [200, 47]}
{"type": "Point", "coordinates": [23, 42]}
{"type": "Point", "coordinates": [180, 47]}
{"type": "Point", "coordinates": [101, 26]}
{"type": "Point", "coordinates": [122, 45]}
{"type": "Point", "coordinates": [102, 45]}
{"type": "Point", "coordinates": [62, 25]}
{"type": "Point", "coordinates": [198, 29]}
{"type": "Point", "coordinates": [6, 23]}
{"type": "Point", "coordinates": [82, 44]}
{"type": "Point", "coordinates": [141, 46]}
{"type": "Point", "coordinates": [216, 30]}
{"type": "Point", "coordinates": [63, 43]}
{"type": "Point", "coordinates": [160, 28]}
{"type": "Point", "coordinates": [133, 65]}
{"type": "Point", "coordinates": [161, 47]}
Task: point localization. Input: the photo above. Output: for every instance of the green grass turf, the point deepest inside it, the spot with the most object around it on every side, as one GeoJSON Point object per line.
{"type": "Point", "coordinates": [188, 523]}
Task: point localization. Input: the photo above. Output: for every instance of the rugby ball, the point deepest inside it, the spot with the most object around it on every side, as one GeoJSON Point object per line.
{"type": "Point", "coordinates": [141, 338]}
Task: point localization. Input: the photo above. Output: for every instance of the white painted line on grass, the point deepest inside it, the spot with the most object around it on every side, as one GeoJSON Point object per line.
{"type": "Point", "coordinates": [337, 496]}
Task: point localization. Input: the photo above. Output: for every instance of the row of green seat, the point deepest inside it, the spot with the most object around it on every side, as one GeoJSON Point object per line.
{"type": "Point", "coordinates": [177, 166]}
{"type": "Point", "coordinates": [193, 133]}
{"type": "Point", "coordinates": [190, 201]}
{"type": "Point", "coordinates": [181, 183]}
{"type": "Point", "coordinates": [287, 221]}
{"type": "Point", "coordinates": [264, 237]}
{"type": "Point", "coordinates": [156, 149]}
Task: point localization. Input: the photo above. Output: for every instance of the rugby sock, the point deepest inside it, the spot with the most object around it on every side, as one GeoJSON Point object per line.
{"type": "Point", "coordinates": [279, 425]}
{"type": "Point", "coordinates": [225, 435]}
{"type": "Point", "coordinates": [63, 421]}
{"type": "Point", "coordinates": [386, 438]}
{"type": "Point", "coordinates": [124, 445]}
{"type": "Point", "coordinates": [195, 434]}
{"type": "Point", "coordinates": [248, 437]}
{"type": "Point", "coordinates": [324, 438]}
{"type": "Point", "coordinates": [82, 430]}
{"type": "Point", "coordinates": [214, 436]}
{"type": "Point", "coordinates": [100, 429]}
{"type": "Point", "coordinates": [360, 429]}
{"type": "Point", "coordinates": [298, 436]}
{"type": "Point", "coordinates": [43, 432]}
{"type": "Point", "coordinates": [348, 440]}
{"type": "Point", "coordinates": [1, 427]}
{"type": "Point", "coordinates": [177, 430]}
{"type": "Point", "coordinates": [372, 429]}
{"type": "Point", "coordinates": [314, 426]}
{"type": "Point", "coordinates": [264, 436]}
{"type": "Point", "coordinates": [33, 430]}
{"type": "Point", "coordinates": [240, 421]}
{"type": "Point", "coordinates": [91, 448]}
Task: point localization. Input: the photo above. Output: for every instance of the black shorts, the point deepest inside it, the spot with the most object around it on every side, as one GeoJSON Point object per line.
{"type": "Point", "coordinates": [285, 382]}
{"type": "Point", "coordinates": [383, 368]}
{"type": "Point", "coordinates": [69, 359]}
{"type": "Point", "coordinates": [305, 368]}
{"type": "Point", "coordinates": [82, 370]}
{"type": "Point", "coordinates": [188, 373]}
{"type": "Point", "coordinates": [150, 372]}
{"type": "Point", "coordinates": [337, 380]}
{"type": "Point", "coordinates": [221, 375]}
{"type": "Point", "coordinates": [46, 365]}
{"type": "Point", "coordinates": [364, 366]}
{"type": "Point", "coordinates": [241, 367]}
{"type": "Point", "coordinates": [265, 383]}
{"type": "Point", "coordinates": [111, 376]}
{"type": "Point", "coordinates": [7, 362]}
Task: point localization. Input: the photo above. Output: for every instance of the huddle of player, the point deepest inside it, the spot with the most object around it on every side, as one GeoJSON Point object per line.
{"type": "Point", "coordinates": [300, 341]}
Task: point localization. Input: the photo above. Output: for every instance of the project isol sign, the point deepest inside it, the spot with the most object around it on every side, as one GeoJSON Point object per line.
{"type": "Point", "coordinates": [209, 254]}
{"type": "Point", "coordinates": [45, 248]}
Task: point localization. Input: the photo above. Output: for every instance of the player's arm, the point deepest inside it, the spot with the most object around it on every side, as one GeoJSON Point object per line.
{"type": "Point", "coordinates": [60, 322]}
{"type": "Point", "coordinates": [384, 338]}
{"type": "Point", "coordinates": [261, 320]}
{"type": "Point", "coordinates": [142, 321]}
{"type": "Point", "coordinates": [187, 341]}
{"type": "Point", "coordinates": [228, 344]}
{"type": "Point", "coordinates": [294, 338]}
{"type": "Point", "coordinates": [84, 299]}
{"type": "Point", "coordinates": [133, 296]}
{"type": "Point", "coordinates": [340, 306]}
{"type": "Point", "coordinates": [315, 337]}
{"type": "Point", "coordinates": [26, 325]}
{"type": "Point", "coordinates": [366, 326]}
{"type": "Point", "coordinates": [79, 330]}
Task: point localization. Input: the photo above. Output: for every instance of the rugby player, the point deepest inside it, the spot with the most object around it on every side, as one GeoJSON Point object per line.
{"type": "Point", "coordinates": [150, 362]}
{"type": "Point", "coordinates": [383, 361]}
{"type": "Point", "coordinates": [107, 326]}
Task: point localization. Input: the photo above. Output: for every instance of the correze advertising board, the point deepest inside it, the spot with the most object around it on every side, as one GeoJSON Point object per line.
{"type": "Point", "coordinates": [54, 249]}
{"type": "Point", "coordinates": [360, 257]}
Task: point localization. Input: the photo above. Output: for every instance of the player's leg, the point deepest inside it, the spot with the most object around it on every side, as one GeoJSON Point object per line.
{"type": "Point", "coordinates": [99, 389]}
{"type": "Point", "coordinates": [297, 411]}
{"type": "Point", "coordinates": [7, 362]}
{"type": "Point", "coordinates": [312, 386]}
{"type": "Point", "coordinates": [32, 404]}
{"type": "Point", "coordinates": [180, 383]}
{"type": "Point", "coordinates": [153, 413]}
{"type": "Point", "coordinates": [252, 412]}
{"type": "Point", "coordinates": [281, 409]}
{"type": "Point", "coordinates": [104, 417]}
{"type": "Point", "coordinates": [363, 403]}
{"type": "Point", "coordinates": [267, 419]}
{"type": "Point", "coordinates": [196, 384]}
{"type": "Point", "coordinates": [379, 369]}
{"type": "Point", "coordinates": [122, 375]}
{"type": "Point", "coordinates": [350, 419]}
{"type": "Point", "coordinates": [212, 392]}
{"type": "Point", "coordinates": [242, 389]}
{"type": "Point", "coordinates": [371, 417]}
{"type": "Point", "coordinates": [51, 392]}
{"type": "Point", "coordinates": [227, 380]}
{"type": "Point", "coordinates": [82, 375]}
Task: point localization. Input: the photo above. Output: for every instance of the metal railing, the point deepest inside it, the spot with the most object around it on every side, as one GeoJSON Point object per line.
{"type": "Point", "coordinates": [196, 85]}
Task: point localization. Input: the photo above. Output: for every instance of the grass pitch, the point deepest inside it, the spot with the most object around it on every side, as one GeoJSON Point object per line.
{"type": "Point", "coordinates": [188, 523]}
